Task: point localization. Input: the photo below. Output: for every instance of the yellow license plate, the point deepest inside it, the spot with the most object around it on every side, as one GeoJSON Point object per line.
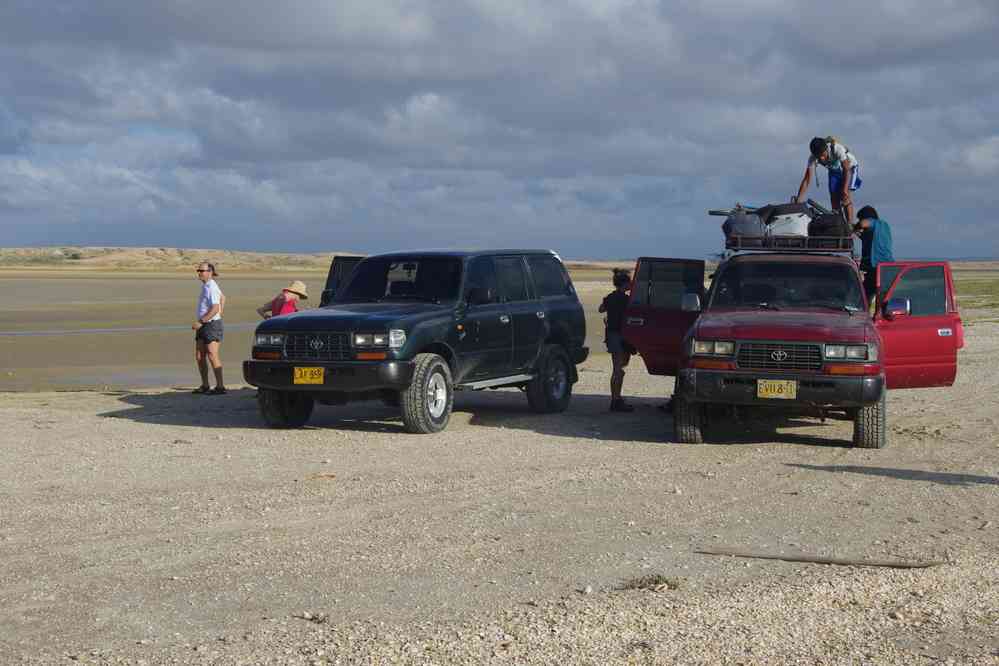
{"type": "Point", "coordinates": [782, 389]}
{"type": "Point", "coordinates": [309, 375]}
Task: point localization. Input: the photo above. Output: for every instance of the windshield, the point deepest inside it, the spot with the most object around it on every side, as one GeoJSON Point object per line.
{"type": "Point", "coordinates": [774, 285]}
{"type": "Point", "coordinates": [431, 279]}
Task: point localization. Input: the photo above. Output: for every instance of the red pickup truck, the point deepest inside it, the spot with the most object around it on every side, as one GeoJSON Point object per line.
{"type": "Point", "coordinates": [792, 331]}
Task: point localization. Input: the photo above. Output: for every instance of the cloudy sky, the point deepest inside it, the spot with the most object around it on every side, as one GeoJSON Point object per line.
{"type": "Point", "coordinates": [600, 128]}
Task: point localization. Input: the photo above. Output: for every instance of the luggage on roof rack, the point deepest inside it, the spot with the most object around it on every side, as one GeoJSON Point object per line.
{"type": "Point", "coordinates": [745, 225]}
{"type": "Point", "coordinates": [799, 227]}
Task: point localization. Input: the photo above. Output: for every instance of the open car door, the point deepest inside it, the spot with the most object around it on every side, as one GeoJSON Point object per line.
{"type": "Point", "coordinates": [340, 269]}
{"type": "Point", "coordinates": [920, 327]}
{"type": "Point", "coordinates": [656, 322]}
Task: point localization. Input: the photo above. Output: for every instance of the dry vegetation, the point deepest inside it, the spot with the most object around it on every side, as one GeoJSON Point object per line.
{"type": "Point", "coordinates": [156, 258]}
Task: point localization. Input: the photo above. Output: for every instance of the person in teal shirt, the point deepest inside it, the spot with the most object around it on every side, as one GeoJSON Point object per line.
{"type": "Point", "coordinates": [875, 247]}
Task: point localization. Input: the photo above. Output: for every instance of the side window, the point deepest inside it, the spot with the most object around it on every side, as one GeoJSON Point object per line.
{"type": "Point", "coordinates": [888, 275]}
{"type": "Point", "coordinates": [926, 289]}
{"type": "Point", "coordinates": [549, 278]}
{"type": "Point", "coordinates": [482, 275]}
{"type": "Point", "coordinates": [512, 280]}
{"type": "Point", "coordinates": [662, 284]}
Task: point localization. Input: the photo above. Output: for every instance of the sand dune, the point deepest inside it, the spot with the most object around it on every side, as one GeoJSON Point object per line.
{"type": "Point", "coordinates": [157, 258]}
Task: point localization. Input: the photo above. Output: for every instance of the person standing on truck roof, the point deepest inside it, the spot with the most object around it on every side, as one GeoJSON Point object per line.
{"type": "Point", "coordinates": [614, 305]}
{"type": "Point", "coordinates": [843, 168]}
{"type": "Point", "coordinates": [875, 247]}
{"type": "Point", "coordinates": [208, 330]}
{"type": "Point", "coordinates": [284, 303]}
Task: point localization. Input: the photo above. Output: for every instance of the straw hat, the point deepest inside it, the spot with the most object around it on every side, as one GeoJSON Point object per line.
{"type": "Point", "coordinates": [297, 287]}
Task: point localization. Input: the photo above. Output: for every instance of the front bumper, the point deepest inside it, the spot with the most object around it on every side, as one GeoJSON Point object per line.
{"type": "Point", "coordinates": [739, 388]}
{"type": "Point", "coordinates": [352, 377]}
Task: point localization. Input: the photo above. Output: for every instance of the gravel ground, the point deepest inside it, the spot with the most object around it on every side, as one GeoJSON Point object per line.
{"type": "Point", "coordinates": [160, 527]}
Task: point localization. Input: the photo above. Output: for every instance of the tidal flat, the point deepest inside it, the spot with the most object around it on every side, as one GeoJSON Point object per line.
{"type": "Point", "coordinates": [114, 327]}
{"type": "Point", "coordinates": [66, 329]}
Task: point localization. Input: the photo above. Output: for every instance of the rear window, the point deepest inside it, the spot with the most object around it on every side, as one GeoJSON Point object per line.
{"type": "Point", "coordinates": [751, 284]}
{"type": "Point", "coordinates": [549, 277]}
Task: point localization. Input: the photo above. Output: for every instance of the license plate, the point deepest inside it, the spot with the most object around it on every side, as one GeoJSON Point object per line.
{"type": "Point", "coordinates": [781, 389]}
{"type": "Point", "coordinates": [309, 375]}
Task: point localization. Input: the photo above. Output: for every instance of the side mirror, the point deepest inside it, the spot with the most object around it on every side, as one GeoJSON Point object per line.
{"type": "Point", "coordinates": [325, 297]}
{"type": "Point", "coordinates": [898, 307]}
{"type": "Point", "coordinates": [479, 296]}
{"type": "Point", "coordinates": [690, 303]}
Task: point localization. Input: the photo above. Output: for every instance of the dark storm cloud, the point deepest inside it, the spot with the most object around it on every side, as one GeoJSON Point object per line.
{"type": "Point", "coordinates": [598, 127]}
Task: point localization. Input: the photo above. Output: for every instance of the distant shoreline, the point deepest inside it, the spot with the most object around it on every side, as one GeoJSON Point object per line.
{"type": "Point", "coordinates": [63, 258]}
{"type": "Point", "coordinates": [169, 260]}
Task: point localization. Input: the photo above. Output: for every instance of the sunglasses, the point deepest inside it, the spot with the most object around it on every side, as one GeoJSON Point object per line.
{"type": "Point", "coordinates": [203, 270]}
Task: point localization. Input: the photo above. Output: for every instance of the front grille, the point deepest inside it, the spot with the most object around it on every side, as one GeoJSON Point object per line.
{"type": "Point", "coordinates": [779, 356]}
{"type": "Point", "coordinates": [317, 346]}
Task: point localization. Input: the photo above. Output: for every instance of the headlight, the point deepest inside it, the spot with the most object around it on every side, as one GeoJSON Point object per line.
{"type": "Point", "coordinates": [724, 348]}
{"type": "Point", "coordinates": [394, 339]}
{"type": "Point", "coordinates": [397, 338]}
{"type": "Point", "coordinates": [714, 347]}
{"type": "Point", "coordinates": [852, 352]}
{"type": "Point", "coordinates": [269, 339]}
{"type": "Point", "coordinates": [704, 347]}
{"type": "Point", "coordinates": [835, 351]}
{"type": "Point", "coordinates": [862, 352]}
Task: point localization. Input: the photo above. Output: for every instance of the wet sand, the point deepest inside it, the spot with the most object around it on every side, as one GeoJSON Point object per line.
{"type": "Point", "coordinates": [71, 329]}
{"type": "Point", "coordinates": [66, 330]}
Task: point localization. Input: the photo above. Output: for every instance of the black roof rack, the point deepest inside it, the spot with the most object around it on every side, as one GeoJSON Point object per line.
{"type": "Point", "coordinates": [790, 243]}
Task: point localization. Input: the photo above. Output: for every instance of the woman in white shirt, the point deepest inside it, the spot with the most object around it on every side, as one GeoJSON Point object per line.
{"type": "Point", "coordinates": [208, 330]}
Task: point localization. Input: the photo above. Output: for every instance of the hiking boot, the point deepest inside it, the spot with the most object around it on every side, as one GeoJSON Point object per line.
{"type": "Point", "coordinates": [620, 405]}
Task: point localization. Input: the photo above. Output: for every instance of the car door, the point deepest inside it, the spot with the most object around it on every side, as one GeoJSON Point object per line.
{"type": "Point", "coordinates": [564, 318]}
{"type": "Point", "coordinates": [485, 333]}
{"type": "Point", "coordinates": [919, 347]}
{"type": "Point", "coordinates": [526, 312]}
{"type": "Point", "coordinates": [340, 269]}
{"type": "Point", "coordinates": [654, 322]}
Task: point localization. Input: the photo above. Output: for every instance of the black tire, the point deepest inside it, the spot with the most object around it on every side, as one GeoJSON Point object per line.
{"type": "Point", "coordinates": [427, 402]}
{"type": "Point", "coordinates": [870, 425]}
{"type": "Point", "coordinates": [688, 421]}
{"type": "Point", "coordinates": [284, 409]}
{"type": "Point", "coordinates": [550, 390]}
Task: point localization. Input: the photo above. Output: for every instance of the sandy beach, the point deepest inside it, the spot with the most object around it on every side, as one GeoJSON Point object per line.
{"type": "Point", "coordinates": [142, 524]}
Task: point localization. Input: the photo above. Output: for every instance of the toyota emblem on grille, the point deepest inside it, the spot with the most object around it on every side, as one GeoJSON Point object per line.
{"type": "Point", "coordinates": [317, 344]}
{"type": "Point", "coordinates": [779, 355]}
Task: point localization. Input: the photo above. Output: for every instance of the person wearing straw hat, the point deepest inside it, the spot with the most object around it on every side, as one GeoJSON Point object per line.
{"type": "Point", "coordinates": [286, 302]}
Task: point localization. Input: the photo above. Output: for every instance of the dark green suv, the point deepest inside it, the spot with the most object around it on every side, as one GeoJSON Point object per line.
{"type": "Point", "coordinates": [410, 328]}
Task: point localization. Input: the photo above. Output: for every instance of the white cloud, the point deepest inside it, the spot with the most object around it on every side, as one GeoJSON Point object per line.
{"type": "Point", "coordinates": [575, 122]}
{"type": "Point", "coordinates": [983, 158]}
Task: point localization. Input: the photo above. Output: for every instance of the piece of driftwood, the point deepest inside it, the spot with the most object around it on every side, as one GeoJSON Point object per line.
{"type": "Point", "coordinates": [842, 561]}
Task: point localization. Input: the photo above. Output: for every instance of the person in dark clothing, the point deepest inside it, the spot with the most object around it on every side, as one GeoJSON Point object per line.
{"type": "Point", "coordinates": [875, 247]}
{"type": "Point", "coordinates": [613, 306]}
